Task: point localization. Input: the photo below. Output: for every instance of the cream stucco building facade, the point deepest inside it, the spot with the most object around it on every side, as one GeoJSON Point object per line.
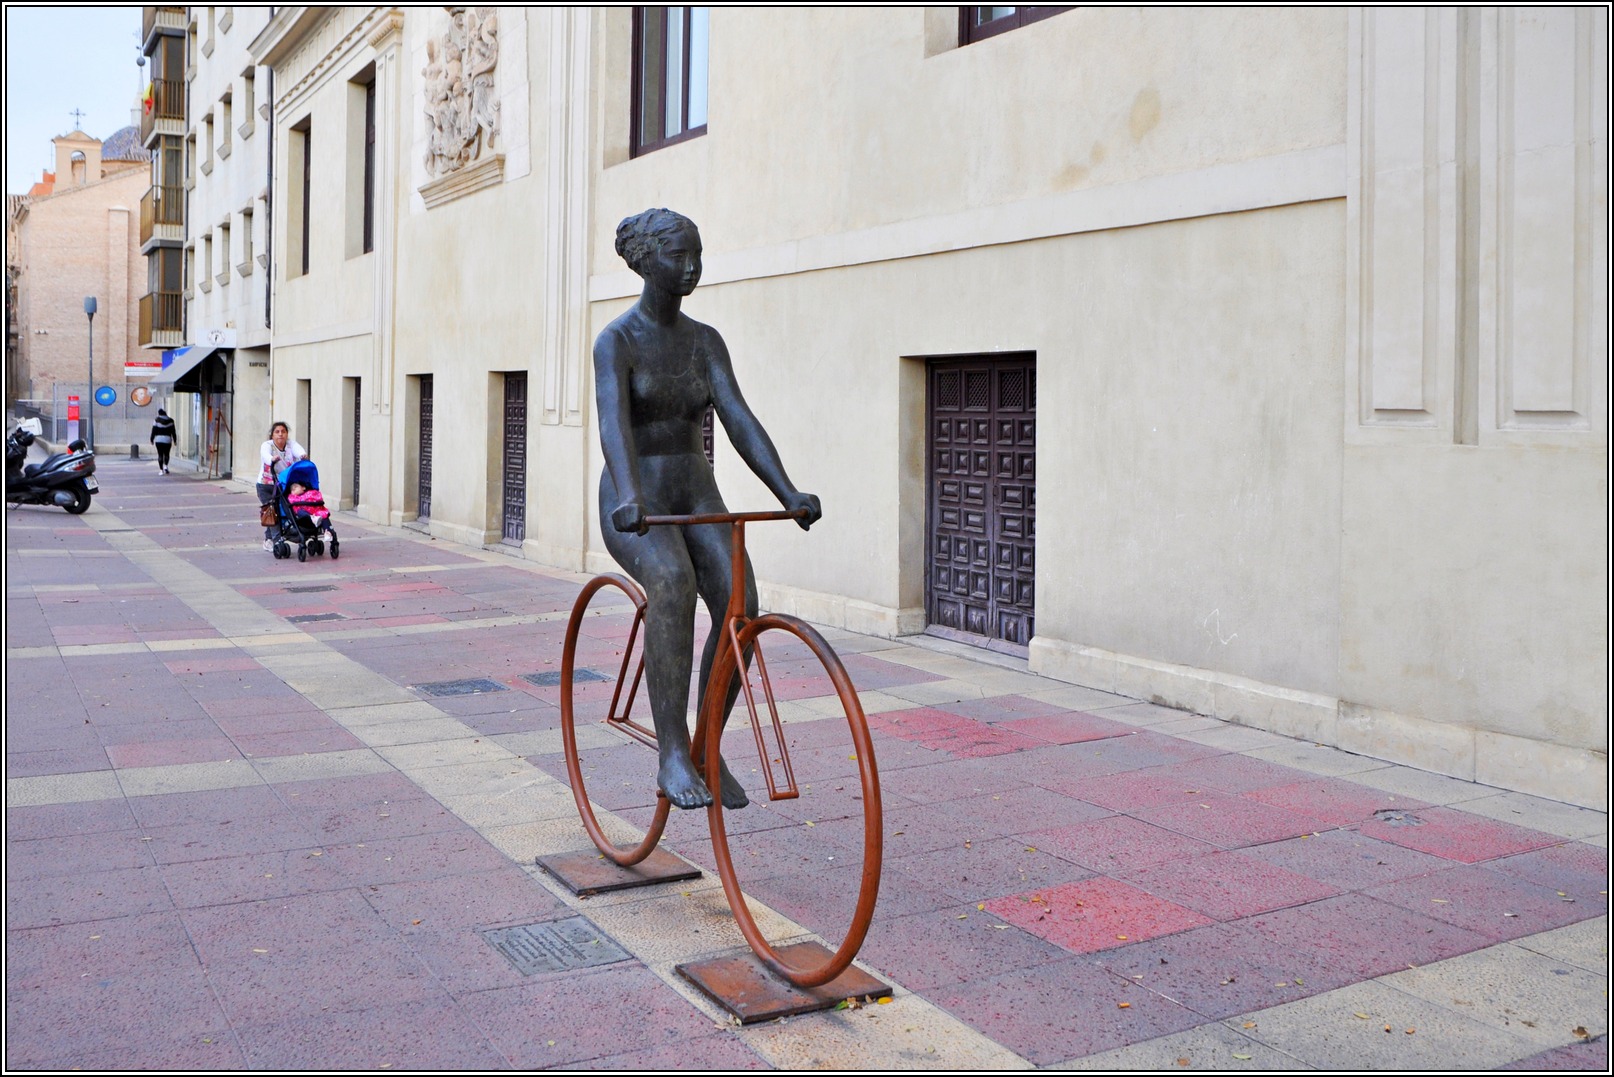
{"type": "Point", "coordinates": [1313, 303]}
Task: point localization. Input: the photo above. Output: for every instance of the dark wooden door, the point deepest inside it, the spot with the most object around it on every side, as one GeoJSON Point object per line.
{"type": "Point", "coordinates": [980, 564]}
{"type": "Point", "coordinates": [515, 458]}
{"type": "Point", "coordinates": [424, 484]}
{"type": "Point", "coordinates": [357, 411]}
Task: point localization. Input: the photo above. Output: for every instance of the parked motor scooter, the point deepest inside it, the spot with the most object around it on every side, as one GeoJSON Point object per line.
{"type": "Point", "coordinates": [65, 479]}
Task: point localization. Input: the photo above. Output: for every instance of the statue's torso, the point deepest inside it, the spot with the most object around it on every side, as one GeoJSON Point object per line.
{"type": "Point", "coordinates": [669, 385]}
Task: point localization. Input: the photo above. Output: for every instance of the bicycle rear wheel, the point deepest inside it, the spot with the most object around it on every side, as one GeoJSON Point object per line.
{"type": "Point", "coordinates": [626, 686]}
{"type": "Point", "coordinates": [830, 763]}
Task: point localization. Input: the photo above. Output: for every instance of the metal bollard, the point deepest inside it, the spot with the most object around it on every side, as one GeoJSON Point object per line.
{"type": "Point", "coordinates": [134, 452]}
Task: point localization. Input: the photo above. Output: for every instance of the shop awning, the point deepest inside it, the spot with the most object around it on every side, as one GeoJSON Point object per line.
{"type": "Point", "coordinates": [179, 362]}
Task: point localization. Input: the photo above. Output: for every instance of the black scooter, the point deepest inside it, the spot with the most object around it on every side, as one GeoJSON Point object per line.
{"type": "Point", "coordinates": [65, 479]}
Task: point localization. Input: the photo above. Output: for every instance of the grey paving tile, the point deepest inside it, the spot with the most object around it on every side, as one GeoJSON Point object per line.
{"type": "Point", "coordinates": [1375, 1026]}
{"type": "Point", "coordinates": [1525, 993]}
{"type": "Point", "coordinates": [1209, 1047]}
{"type": "Point", "coordinates": [1584, 944]}
{"type": "Point", "coordinates": [1537, 813]}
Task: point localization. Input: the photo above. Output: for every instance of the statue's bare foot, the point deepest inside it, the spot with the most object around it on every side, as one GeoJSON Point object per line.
{"type": "Point", "coordinates": [679, 780]}
{"type": "Point", "coordinates": [733, 792]}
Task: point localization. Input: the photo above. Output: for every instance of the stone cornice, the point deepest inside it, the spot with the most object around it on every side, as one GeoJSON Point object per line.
{"type": "Point", "coordinates": [487, 172]}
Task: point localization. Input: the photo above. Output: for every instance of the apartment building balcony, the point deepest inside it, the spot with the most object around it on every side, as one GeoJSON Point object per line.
{"type": "Point", "coordinates": [166, 116]}
{"type": "Point", "coordinates": [160, 20]}
{"type": "Point", "coordinates": [162, 320]}
{"type": "Point", "coordinates": [162, 217]}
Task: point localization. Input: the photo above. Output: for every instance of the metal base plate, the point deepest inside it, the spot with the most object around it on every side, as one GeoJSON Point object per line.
{"type": "Point", "coordinates": [588, 872]}
{"type": "Point", "coordinates": [746, 988]}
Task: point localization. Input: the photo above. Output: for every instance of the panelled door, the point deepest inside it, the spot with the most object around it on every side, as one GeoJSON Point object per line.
{"type": "Point", "coordinates": [358, 411]}
{"type": "Point", "coordinates": [515, 458]}
{"type": "Point", "coordinates": [982, 498]}
{"type": "Point", "coordinates": [424, 483]}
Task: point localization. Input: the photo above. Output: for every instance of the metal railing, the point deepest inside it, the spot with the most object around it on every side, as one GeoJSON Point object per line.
{"type": "Point", "coordinates": [167, 103]}
{"type": "Point", "coordinates": [161, 312]}
{"type": "Point", "coordinates": [162, 204]}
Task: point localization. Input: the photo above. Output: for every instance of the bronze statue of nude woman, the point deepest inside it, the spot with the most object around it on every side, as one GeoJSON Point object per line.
{"type": "Point", "coordinates": [655, 372]}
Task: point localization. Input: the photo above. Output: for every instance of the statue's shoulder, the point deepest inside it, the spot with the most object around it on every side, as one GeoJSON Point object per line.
{"type": "Point", "coordinates": [619, 334]}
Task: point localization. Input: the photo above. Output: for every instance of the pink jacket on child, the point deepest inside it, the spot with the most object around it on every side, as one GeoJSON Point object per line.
{"type": "Point", "coordinates": [311, 502]}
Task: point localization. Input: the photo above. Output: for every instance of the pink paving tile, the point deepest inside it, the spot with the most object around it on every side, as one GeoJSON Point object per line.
{"type": "Point", "coordinates": [1226, 886]}
{"type": "Point", "coordinates": [1118, 843]}
{"type": "Point", "coordinates": [618, 1009]}
{"type": "Point", "coordinates": [720, 1052]}
{"type": "Point", "coordinates": [81, 635]}
{"type": "Point", "coordinates": [1094, 914]}
{"type": "Point", "coordinates": [505, 895]}
{"type": "Point", "coordinates": [414, 619]}
{"type": "Point", "coordinates": [120, 1018]}
{"type": "Point", "coordinates": [431, 1034]}
{"type": "Point", "coordinates": [1070, 728]}
{"type": "Point", "coordinates": [1060, 1011]}
{"type": "Point", "coordinates": [984, 870]}
{"type": "Point", "coordinates": [1223, 970]}
{"type": "Point", "coordinates": [1578, 869]}
{"type": "Point", "coordinates": [332, 738]}
{"type": "Point", "coordinates": [1590, 1055]}
{"type": "Point", "coordinates": [62, 761]}
{"type": "Point", "coordinates": [92, 895]}
{"type": "Point", "coordinates": [1498, 906]}
{"type": "Point", "coordinates": [169, 752]}
{"type": "Point", "coordinates": [951, 945]}
{"type": "Point", "coordinates": [985, 741]}
{"type": "Point", "coordinates": [106, 850]}
{"type": "Point", "coordinates": [297, 981]}
{"type": "Point", "coordinates": [1232, 773]}
{"type": "Point", "coordinates": [922, 723]}
{"type": "Point", "coordinates": [1134, 789]}
{"type": "Point", "coordinates": [1364, 936]}
{"type": "Point", "coordinates": [1016, 811]}
{"type": "Point", "coordinates": [210, 665]}
{"type": "Point", "coordinates": [1231, 821]}
{"type": "Point", "coordinates": [1003, 708]}
{"type": "Point", "coordinates": [1333, 800]}
{"type": "Point", "coordinates": [57, 820]}
{"type": "Point", "coordinates": [1346, 859]}
{"type": "Point", "coordinates": [1456, 835]}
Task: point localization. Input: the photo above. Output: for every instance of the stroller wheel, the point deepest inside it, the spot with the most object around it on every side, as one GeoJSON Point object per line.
{"type": "Point", "coordinates": [282, 550]}
{"type": "Point", "coordinates": [317, 546]}
{"type": "Point", "coordinates": [336, 549]}
{"type": "Point", "coordinates": [302, 553]}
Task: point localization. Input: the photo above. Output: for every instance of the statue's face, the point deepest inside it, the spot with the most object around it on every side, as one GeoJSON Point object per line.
{"type": "Point", "coordinates": [677, 265]}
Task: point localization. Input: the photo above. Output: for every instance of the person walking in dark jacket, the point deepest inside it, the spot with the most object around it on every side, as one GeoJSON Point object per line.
{"type": "Point", "coordinates": [162, 436]}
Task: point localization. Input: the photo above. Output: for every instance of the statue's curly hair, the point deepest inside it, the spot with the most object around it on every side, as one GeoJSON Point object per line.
{"type": "Point", "coordinates": [641, 235]}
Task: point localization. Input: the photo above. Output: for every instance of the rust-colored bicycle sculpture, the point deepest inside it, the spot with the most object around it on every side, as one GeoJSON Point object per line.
{"type": "Point", "coordinates": [740, 656]}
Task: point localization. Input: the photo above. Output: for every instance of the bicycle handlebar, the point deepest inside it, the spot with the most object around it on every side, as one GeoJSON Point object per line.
{"type": "Point", "coordinates": [723, 518]}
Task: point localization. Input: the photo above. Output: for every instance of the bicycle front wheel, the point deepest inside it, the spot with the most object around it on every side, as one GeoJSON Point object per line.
{"type": "Point", "coordinates": [821, 867]}
{"type": "Point", "coordinates": [620, 696]}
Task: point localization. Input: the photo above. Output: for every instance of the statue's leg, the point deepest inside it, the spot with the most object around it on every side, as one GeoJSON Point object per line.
{"type": "Point", "coordinates": [711, 552]}
{"type": "Point", "coordinates": [659, 562]}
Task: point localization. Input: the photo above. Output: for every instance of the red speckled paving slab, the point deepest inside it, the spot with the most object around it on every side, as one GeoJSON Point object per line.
{"type": "Point", "coordinates": [1231, 821]}
{"type": "Point", "coordinates": [1226, 886]}
{"type": "Point", "coordinates": [1094, 914]}
{"type": "Point", "coordinates": [1457, 835]}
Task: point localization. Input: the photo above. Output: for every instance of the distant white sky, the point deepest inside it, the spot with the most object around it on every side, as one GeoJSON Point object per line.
{"type": "Point", "coordinates": [60, 59]}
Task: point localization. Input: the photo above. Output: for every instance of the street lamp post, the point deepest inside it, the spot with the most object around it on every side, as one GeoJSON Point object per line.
{"type": "Point", "coordinates": [89, 392]}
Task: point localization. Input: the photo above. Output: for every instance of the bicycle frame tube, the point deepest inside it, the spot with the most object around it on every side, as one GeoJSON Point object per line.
{"type": "Point", "coordinates": [734, 618]}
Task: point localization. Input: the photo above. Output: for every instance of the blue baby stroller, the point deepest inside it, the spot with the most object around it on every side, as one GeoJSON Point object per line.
{"type": "Point", "coordinates": [299, 526]}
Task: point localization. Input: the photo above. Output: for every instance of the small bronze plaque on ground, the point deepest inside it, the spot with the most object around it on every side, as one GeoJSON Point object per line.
{"type": "Point", "coordinates": [556, 946]}
{"type": "Point", "coordinates": [588, 872]}
{"type": "Point", "coordinates": [744, 987]}
{"type": "Point", "coordinates": [311, 588]}
{"type": "Point", "coordinates": [470, 687]}
{"type": "Point", "coordinates": [304, 618]}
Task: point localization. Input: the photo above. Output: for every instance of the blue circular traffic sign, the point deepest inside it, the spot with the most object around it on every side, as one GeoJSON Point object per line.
{"type": "Point", "coordinates": [106, 396]}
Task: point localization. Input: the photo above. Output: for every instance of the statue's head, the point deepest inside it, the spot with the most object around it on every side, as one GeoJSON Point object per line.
{"type": "Point", "coordinates": [640, 236]}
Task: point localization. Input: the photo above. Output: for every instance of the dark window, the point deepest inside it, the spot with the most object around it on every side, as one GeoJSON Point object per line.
{"type": "Point", "coordinates": [369, 167]}
{"type": "Point", "coordinates": [979, 23]}
{"type": "Point", "coordinates": [669, 75]}
{"type": "Point", "coordinates": [304, 136]}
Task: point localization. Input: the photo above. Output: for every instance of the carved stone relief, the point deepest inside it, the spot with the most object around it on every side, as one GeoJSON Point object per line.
{"type": "Point", "coordinates": [462, 103]}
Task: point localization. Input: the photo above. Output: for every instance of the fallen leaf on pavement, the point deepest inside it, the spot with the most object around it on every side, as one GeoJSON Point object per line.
{"type": "Point", "coordinates": [1363, 1016]}
{"type": "Point", "coordinates": [1243, 1058]}
{"type": "Point", "coordinates": [1124, 1005]}
{"type": "Point", "coordinates": [1410, 1031]}
{"type": "Point", "coordinates": [884, 1001]}
{"type": "Point", "coordinates": [1580, 1030]}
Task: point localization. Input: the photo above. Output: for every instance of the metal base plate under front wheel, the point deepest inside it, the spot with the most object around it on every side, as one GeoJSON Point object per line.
{"type": "Point", "coordinates": [587, 872]}
{"type": "Point", "coordinates": [746, 988]}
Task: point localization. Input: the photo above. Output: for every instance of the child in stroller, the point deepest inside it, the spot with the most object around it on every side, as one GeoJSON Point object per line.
{"type": "Point", "coordinates": [304, 520]}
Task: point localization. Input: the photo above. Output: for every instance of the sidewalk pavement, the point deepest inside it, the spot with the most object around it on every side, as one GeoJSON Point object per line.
{"type": "Point", "coordinates": [240, 834]}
